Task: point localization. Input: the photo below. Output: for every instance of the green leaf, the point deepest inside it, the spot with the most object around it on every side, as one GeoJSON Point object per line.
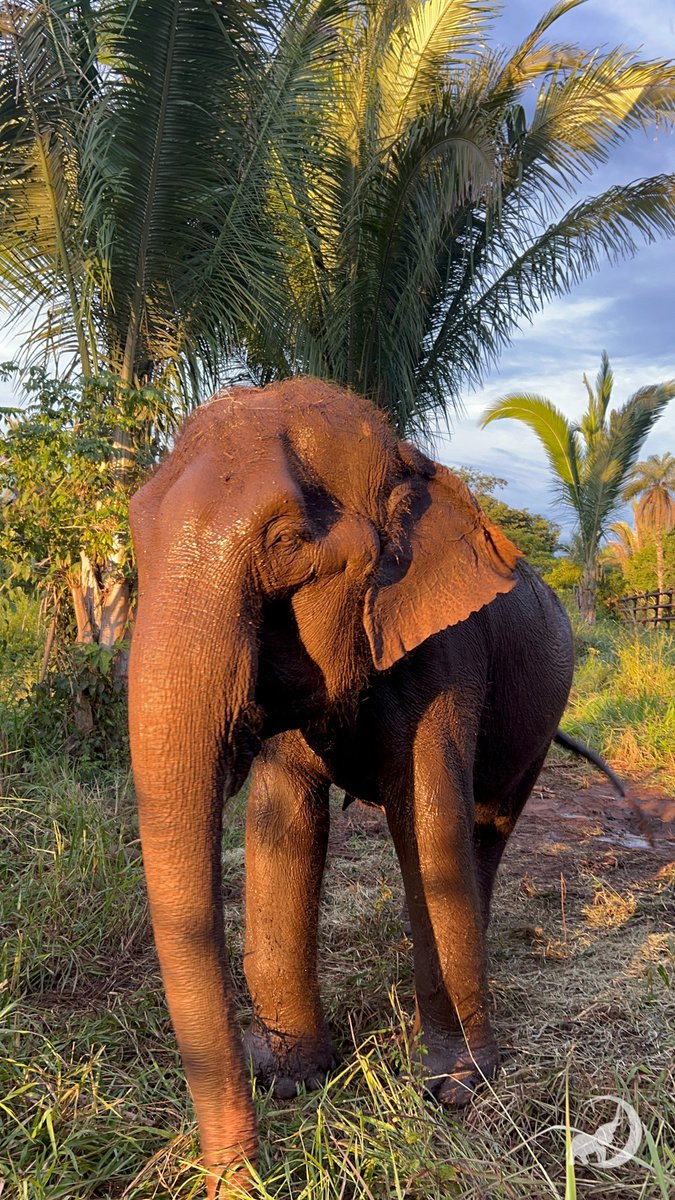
{"type": "Point", "coordinates": [556, 434]}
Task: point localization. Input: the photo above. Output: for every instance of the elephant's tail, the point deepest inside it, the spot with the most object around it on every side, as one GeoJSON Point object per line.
{"type": "Point", "coordinates": [570, 743]}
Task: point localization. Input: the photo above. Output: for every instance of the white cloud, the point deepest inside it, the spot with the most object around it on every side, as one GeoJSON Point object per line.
{"type": "Point", "coordinates": [572, 313]}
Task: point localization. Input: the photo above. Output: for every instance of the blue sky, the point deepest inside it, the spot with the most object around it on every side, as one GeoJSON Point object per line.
{"type": "Point", "coordinates": [628, 310]}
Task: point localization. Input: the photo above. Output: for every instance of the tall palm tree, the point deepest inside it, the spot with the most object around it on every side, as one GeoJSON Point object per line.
{"type": "Point", "coordinates": [591, 460]}
{"type": "Point", "coordinates": [438, 211]}
{"type": "Point", "coordinates": [135, 144]}
{"type": "Point", "coordinates": [653, 483]}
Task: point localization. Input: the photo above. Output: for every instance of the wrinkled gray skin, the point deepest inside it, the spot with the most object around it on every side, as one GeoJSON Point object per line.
{"type": "Point", "coordinates": [315, 593]}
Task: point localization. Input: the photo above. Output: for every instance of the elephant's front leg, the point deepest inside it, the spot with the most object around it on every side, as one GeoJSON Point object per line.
{"type": "Point", "coordinates": [286, 839]}
{"type": "Point", "coordinates": [432, 823]}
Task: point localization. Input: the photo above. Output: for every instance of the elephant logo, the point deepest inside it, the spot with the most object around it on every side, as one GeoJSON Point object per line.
{"type": "Point", "coordinates": [600, 1146]}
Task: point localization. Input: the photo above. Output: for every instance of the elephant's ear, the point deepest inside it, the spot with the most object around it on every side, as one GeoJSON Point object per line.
{"type": "Point", "coordinates": [443, 560]}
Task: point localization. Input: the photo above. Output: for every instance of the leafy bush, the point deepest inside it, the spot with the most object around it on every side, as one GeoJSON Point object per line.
{"type": "Point", "coordinates": [60, 479]}
{"type": "Point", "coordinates": [20, 642]}
{"type": "Point", "coordinates": [564, 576]}
{"type": "Point", "coordinates": [78, 709]}
{"type": "Point", "coordinates": [639, 572]}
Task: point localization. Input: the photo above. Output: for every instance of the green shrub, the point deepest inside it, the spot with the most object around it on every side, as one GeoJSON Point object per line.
{"type": "Point", "coordinates": [639, 573]}
{"type": "Point", "coordinates": [79, 709]}
{"type": "Point", "coordinates": [20, 641]}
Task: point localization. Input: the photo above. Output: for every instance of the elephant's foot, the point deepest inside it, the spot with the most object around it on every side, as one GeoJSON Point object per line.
{"type": "Point", "coordinates": [454, 1070]}
{"type": "Point", "coordinates": [229, 1170]}
{"type": "Point", "coordinates": [221, 1182]}
{"type": "Point", "coordinates": [285, 1061]}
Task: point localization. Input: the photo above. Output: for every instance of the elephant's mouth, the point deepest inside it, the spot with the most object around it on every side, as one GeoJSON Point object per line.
{"type": "Point", "coordinates": [292, 690]}
{"type": "Point", "coordinates": [290, 685]}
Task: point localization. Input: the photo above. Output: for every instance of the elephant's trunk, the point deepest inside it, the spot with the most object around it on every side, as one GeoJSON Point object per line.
{"type": "Point", "coordinates": [179, 683]}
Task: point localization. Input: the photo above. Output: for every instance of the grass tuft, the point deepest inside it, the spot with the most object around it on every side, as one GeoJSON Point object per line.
{"type": "Point", "coordinates": [623, 698]}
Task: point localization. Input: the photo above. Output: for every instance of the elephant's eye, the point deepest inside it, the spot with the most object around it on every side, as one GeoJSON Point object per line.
{"type": "Point", "coordinates": [282, 563]}
{"type": "Point", "coordinates": [286, 539]}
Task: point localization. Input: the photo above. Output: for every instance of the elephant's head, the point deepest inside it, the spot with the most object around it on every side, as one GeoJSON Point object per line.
{"type": "Point", "coordinates": [288, 547]}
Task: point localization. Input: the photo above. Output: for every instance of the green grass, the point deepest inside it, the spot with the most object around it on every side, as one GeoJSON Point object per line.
{"type": "Point", "coordinates": [93, 1103]}
{"type": "Point", "coordinates": [92, 1098]}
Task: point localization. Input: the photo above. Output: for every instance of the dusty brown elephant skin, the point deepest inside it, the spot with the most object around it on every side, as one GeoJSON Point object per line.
{"type": "Point", "coordinates": [314, 593]}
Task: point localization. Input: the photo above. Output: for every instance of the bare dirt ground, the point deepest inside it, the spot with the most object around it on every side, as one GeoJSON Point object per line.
{"type": "Point", "coordinates": [570, 818]}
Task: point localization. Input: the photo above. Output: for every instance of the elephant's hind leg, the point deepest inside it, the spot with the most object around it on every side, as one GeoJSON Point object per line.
{"type": "Point", "coordinates": [286, 839]}
{"type": "Point", "coordinates": [430, 818]}
{"type": "Point", "coordinates": [493, 828]}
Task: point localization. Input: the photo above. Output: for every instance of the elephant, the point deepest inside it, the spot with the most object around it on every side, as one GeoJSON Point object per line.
{"type": "Point", "coordinates": [320, 603]}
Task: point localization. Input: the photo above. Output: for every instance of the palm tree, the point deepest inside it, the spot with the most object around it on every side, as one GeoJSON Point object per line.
{"type": "Point", "coordinates": [627, 540]}
{"type": "Point", "coordinates": [438, 209]}
{"type": "Point", "coordinates": [134, 166]}
{"type": "Point", "coordinates": [653, 481]}
{"type": "Point", "coordinates": [592, 460]}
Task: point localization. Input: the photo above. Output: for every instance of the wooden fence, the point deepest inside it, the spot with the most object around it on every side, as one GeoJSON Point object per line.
{"type": "Point", "coordinates": [648, 608]}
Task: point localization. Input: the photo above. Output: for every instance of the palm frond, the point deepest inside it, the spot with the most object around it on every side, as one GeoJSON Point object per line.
{"type": "Point", "coordinates": [534, 59]}
{"type": "Point", "coordinates": [46, 80]}
{"type": "Point", "coordinates": [433, 36]}
{"type": "Point", "coordinates": [657, 471]}
{"type": "Point", "coordinates": [604, 384]}
{"type": "Point", "coordinates": [478, 324]}
{"type": "Point", "coordinates": [593, 422]}
{"type": "Point", "coordinates": [623, 545]}
{"type": "Point", "coordinates": [556, 434]}
{"type": "Point", "coordinates": [582, 114]}
{"type": "Point", "coordinates": [264, 248]}
{"type": "Point", "coordinates": [162, 155]}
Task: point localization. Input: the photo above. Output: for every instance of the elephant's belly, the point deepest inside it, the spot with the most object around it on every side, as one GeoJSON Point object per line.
{"type": "Point", "coordinates": [350, 764]}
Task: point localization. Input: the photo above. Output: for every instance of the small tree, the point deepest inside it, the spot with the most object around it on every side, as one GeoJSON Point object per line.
{"type": "Point", "coordinates": [639, 572]}
{"type": "Point", "coordinates": [591, 460]}
{"type": "Point", "coordinates": [63, 502]}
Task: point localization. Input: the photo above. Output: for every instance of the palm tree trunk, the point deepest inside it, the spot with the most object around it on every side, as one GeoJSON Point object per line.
{"type": "Point", "coordinates": [116, 599]}
{"type": "Point", "coordinates": [587, 593]}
